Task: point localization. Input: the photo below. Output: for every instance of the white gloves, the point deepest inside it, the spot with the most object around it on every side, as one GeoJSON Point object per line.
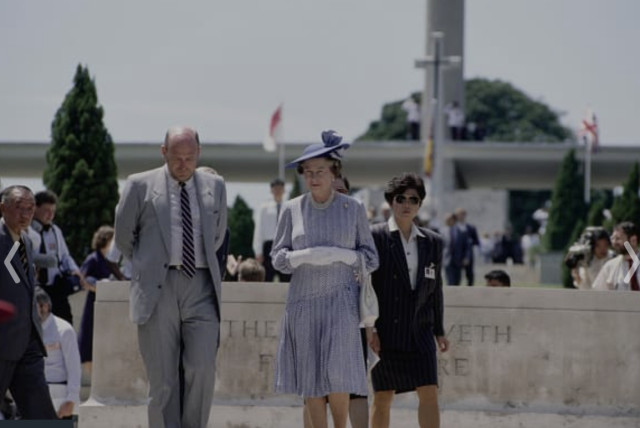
{"type": "Point", "coordinates": [298, 257]}
{"type": "Point", "coordinates": [321, 256]}
{"type": "Point", "coordinates": [348, 257]}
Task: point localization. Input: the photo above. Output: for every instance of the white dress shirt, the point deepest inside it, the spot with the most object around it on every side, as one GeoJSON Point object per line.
{"type": "Point", "coordinates": [410, 248]}
{"type": "Point", "coordinates": [612, 274]}
{"type": "Point", "coordinates": [62, 363]}
{"type": "Point", "coordinates": [412, 109]}
{"type": "Point", "coordinates": [176, 222]}
{"type": "Point", "coordinates": [266, 221]}
{"type": "Point", "coordinates": [56, 251]}
{"type": "Point", "coordinates": [589, 273]}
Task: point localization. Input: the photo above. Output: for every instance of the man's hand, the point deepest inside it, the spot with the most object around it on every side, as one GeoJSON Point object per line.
{"type": "Point", "coordinates": [443, 343]}
{"type": "Point", "coordinates": [66, 409]}
{"type": "Point", "coordinates": [260, 258]}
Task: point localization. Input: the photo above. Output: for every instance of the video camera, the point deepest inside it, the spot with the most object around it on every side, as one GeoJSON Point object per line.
{"type": "Point", "coordinates": [582, 250]}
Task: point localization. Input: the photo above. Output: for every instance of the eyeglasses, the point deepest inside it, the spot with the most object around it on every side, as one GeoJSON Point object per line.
{"type": "Point", "coordinates": [401, 199]}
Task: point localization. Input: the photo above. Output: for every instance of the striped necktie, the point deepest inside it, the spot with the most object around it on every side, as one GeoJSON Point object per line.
{"type": "Point", "coordinates": [22, 250]}
{"type": "Point", "coordinates": [188, 253]}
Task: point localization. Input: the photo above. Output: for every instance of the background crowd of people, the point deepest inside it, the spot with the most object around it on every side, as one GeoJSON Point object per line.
{"type": "Point", "coordinates": [171, 241]}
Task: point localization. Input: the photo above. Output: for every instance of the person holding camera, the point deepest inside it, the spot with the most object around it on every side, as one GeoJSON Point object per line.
{"type": "Point", "coordinates": [57, 272]}
{"type": "Point", "coordinates": [587, 256]}
{"type": "Point", "coordinates": [613, 274]}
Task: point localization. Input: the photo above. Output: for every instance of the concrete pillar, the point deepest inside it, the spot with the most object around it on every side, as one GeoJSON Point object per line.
{"type": "Point", "coordinates": [447, 16]}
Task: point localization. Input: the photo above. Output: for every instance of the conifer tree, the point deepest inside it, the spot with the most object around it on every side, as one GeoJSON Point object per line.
{"type": "Point", "coordinates": [567, 204]}
{"type": "Point", "coordinates": [81, 168]}
{"type": "Point", "coordinates": [627, 206]}
{"type": "Point", "coordinates": [240, 222]}
{"type": "Point", "coordinates": [596, 213]}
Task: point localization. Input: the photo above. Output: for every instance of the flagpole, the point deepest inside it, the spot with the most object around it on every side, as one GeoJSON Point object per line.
{"type": "Point", "coordinates": [281, 160]}
{"type": "Point", "coordinates": [280, 144]}
{"type": "Point", "coordinates": [587, 170]}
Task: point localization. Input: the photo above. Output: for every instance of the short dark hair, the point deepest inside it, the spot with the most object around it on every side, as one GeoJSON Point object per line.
{"type": "Point", "coordinates": [336, 165]}
{"type": "Point", "coordinates": [399, 184]}
{"type": "Point", "coordinates": [276, 182]}
{"type": "Point", "coordinates": [628, 228]}
{"type": "Point", "coordinates": [101, 237]}
{"type": "Point", "coordinates": [500, 276]}
{"type": "Point", "coordinates": [347, 185]}
{"type": "Point", "coordinates": [595, 234]}
{"type": "Point", "coordinates": [46, 197]}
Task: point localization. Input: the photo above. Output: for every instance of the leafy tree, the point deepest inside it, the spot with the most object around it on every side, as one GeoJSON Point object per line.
{"type": "Point", "coordinates": [627, 206]}
{"type": "Point", "coordinates": [81, 168]}
{"type": "Point", "coordinates": [240, 222]}
{"type": "Point", "coordinates": [392, 124]}
{"type": "Point", "coordinates": [567, 204]}
{"type": "Point", "coordinates": [507, 113]}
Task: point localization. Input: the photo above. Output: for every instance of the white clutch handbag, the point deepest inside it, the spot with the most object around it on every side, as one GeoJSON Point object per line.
{"type": "Point", "coordinates": [368, 299]}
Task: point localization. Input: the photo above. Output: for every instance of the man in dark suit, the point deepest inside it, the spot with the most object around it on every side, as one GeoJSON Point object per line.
{"type": "Point", "coordinates": [464, 237]}
{"type": "Point", "coordinates": [170, 222]}
{"type": "Point", "coordinates": [22, 350]}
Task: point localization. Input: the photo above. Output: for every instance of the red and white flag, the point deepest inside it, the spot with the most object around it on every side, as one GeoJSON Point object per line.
{"type": "Point", "coordinates": [589, 131]}
{"type": "Point", "coordinates": [274, 133]}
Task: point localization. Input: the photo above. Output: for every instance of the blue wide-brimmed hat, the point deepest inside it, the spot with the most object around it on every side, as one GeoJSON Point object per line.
{"type": "Point", "coordinates": [329, 148]}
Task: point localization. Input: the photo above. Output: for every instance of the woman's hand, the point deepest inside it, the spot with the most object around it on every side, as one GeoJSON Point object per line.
{"type": "Point", "coordinates": [372, 339]}
{"type": "Point", "coordinates": [443, 343]}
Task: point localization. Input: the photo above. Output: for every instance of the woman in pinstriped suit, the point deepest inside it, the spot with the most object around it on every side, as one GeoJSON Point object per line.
{"type": "Point", "coordinates": [409, 288]}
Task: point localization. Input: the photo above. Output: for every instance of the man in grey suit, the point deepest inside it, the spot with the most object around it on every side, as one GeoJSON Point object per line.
{"type": "Point", "coordinates": [169, 222]}
{"type": "Point", "coordinates": [21, 351]}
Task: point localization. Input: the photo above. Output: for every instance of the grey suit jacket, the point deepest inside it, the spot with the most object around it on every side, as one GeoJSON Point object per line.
{"type": "Point", "coordinates": [16, 333]}
{"type": "Point", "coordinates": [143, 233]}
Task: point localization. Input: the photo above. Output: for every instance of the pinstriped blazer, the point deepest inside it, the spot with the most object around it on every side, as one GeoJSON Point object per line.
{"type": "Point", "coordinates": [408, 318]}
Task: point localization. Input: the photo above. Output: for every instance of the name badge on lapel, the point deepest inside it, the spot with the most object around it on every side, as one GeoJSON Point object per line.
{"type": "Point", "coordinates": [430, 272]}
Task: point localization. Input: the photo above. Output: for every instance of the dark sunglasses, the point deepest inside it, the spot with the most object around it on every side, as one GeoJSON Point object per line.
{"type": "Point", "coordinates": [401, 199]}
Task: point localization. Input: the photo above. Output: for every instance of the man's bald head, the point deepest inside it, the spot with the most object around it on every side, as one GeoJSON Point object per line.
{"type": "Point", "coordinates": [181, 151]}
{"type": "Point", "coordinates": [180, 132]}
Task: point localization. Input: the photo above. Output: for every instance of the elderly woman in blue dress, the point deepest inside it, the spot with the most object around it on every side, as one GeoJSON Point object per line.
{"type": "Point", "coordinates": [322, 239]}
{"type": "Point", "coordinates": [410, 327]}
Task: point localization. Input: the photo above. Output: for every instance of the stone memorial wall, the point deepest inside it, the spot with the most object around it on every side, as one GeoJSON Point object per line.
{"type": "Point", "coordinates": [518, 357]}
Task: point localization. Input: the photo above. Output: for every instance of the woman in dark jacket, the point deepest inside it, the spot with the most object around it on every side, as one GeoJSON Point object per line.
{"type": "Point", "coordinates": [408, 284]}
{"type": "Point", "coordinates": [95, 268]}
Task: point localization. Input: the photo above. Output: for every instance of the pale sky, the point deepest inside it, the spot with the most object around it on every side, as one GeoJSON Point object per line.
{"type": "Point", "coordinates": [224, 66]}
